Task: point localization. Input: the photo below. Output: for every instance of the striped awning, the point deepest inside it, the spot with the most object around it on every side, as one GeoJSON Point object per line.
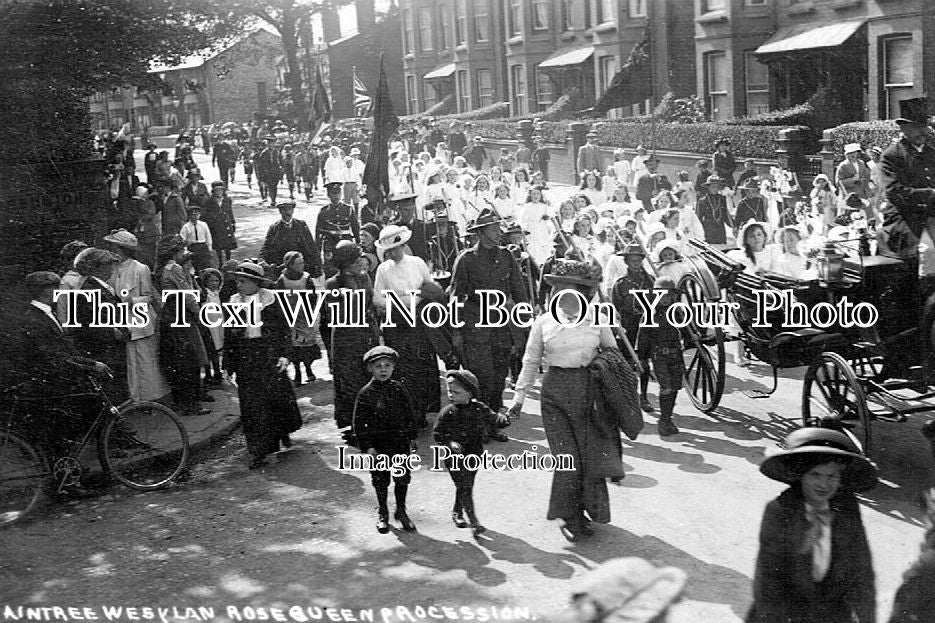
{"type": "Point", "coordinates": [442, 71]}
{"type": "Point", "coordinates": [809, 37]}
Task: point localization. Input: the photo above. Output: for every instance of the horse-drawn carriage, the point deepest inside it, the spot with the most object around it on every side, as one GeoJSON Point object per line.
{"type": "Point", "coordinates": [849, 366]}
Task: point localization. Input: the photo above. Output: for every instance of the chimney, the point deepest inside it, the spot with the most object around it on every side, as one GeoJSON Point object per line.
{"type": "Point", "coordinates": [365, 15]}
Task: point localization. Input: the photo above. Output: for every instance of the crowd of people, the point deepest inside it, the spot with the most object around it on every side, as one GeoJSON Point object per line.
{"type": "Point", "coordinates": [459, 221]}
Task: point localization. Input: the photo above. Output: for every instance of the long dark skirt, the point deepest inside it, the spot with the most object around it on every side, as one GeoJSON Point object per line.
{"type": "Point", "coordinates": [182, 355]}
{"type": "Point", "coordinates": [417, 368]}
{"type": "Point", "coordinates": [568, 418]}
{"type": "Point", "coordinates": [348, 346]}
{"type": "Point", "coordinates": [268, 410]}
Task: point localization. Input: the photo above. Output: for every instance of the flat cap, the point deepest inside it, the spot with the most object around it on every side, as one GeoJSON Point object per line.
{"type": "Point", "coordinates": [379, 352]}
{"type": "Point", "coordinates": [42, 278]}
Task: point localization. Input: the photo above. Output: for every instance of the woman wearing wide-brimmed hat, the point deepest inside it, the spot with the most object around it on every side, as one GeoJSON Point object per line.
{"type": "Point", "coordinates": [814, 561]}
{"type": "Point", "coordinates": [258, 356]}
{"type": "Point", "coordinates": [401, 273]}
{"type": "Point", "coordinates": [182, 351]}
{"type": "Point", "coordinates": [133, 284]}
{"type": "Point", "coordinates": [713, 212]}
{"type": "Point", "coordinates": [724, 162]}
{"type": "Point", "coordinates": [571, 426]}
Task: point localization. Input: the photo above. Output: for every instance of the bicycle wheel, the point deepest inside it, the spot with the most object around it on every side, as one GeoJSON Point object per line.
{"type": "Point", "coordinates": [144, 446]}
{"type": "Point", "coordinates": [24, 477]}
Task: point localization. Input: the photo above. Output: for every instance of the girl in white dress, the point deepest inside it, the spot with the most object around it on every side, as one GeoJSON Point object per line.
{"type": "Point", "coordinates": [591, 188]}
{"type": "Point", "coordinates": [535, 218]}
{"type": "Point", "coordinates": [566, 215]}
{"type": "Point", "coordinates": [789, 259]}
{"type": "Point", "coordinates": [521, 185]}
{"type": "Point", "coordinates": [503, 203]}
{"type": "Point", "coordinates": [757, 257]}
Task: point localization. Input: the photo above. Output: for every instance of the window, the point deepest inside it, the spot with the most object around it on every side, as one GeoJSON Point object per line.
{"type": "Point", "coordinates": [484, 87]}
{"type": "Point", "coordinates": [464, 92]}
{"type": "Point", "coordinates": [514, 17]}
{"type": "Point", "coordinates": [568, 22]}
{"type": "Point", "coordinates": [425, 29]}
{"type": "Point", "coordinates": [444, 31]}
{"type": "Point", "coordinates": [637, 8]}
{"type": "Point", "coordinates": [757, 85]}
{"type": "Point", "coordinates": [607, 67]}
{"type": "Point", "coordinates": [429, 95]}
{"type": "Point", "coordinates": [545, 91]}
{"type": "Point", "coordinates": [898, 75]}
{"type": "Point", "coordinates": [518, 79]}
{"type": "Point", "coordinates": [718, 79]}
{"type": "Point", "coordinates": [412, 94]}
{"type": "Point", "coordinates": [540, 14]}
{"type": "Point", "coordinates": [409, 40]}
{"type": "Point", "coordinates": [755, 2]}
{"type": "Point", "coordinates": [605, 11]}
{"type": "Point", "coordinates": [482, 21]}
{"type": "Point", "coordinates": [460, 22]}
{"type": "Point", "coordinates": [708, 6]}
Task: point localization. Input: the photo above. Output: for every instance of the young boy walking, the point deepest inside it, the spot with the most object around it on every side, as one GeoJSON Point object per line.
{"type": "Point", "coordinates": [461, 426]}
{"type": "Point", "coordinates": [665, 346]}
{"type": "Point", "coordinates": [384, 424]}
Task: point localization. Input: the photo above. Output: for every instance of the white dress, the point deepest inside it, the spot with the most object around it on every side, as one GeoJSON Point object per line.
{"type": "Point", "coordinates": [766, 260]}
{"type": "Point", "coordinates": [541, 231]}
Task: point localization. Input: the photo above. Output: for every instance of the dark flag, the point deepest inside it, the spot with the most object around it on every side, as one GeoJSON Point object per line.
{"type": "Point", "coordinates": [319, 111]}
{"type": "Point", "coordinates": [385, 122]}
{"type": "Point", "coordinates": [633, 83]}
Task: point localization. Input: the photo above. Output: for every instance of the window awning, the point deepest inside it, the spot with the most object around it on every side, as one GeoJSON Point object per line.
{"type": "Point", "coordinates": [809, 37]}
{"type": "Point", "coordinates": [443, 71]}
{"type": "Point", "coordinates": [567, 58]}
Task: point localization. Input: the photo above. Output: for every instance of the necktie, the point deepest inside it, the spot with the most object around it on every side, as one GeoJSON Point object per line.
{"type": "Point", "coordinates": [820, 537]}
{"type": "Point", "coordinates": [196, 231]}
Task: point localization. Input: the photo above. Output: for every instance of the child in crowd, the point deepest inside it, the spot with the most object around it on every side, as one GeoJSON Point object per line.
{"type": "Point", "coordinates": [610, 182]}
{"type": "Point", "coordinates": [307, 344]}
{"type": "Point", "coordinates": [460, 427]}
{"type": "Point", "coordinates": [505, 161]}
{"type": "Point", "coordinates": [213, 337]}
{"type": "Point", "coordinates": [665, 346]}
{"type": "Point", "coordinates": [384, 424]}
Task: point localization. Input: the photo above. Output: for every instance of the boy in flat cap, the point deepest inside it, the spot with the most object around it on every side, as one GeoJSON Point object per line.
{"type": "Point", "coordinates": [385, 424]}
{"type": "Point", "coordinates": [461, 426]}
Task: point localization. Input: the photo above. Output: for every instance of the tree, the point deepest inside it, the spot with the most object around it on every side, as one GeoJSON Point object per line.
{"type": "Point", "coordinates": [292, 19]}
{"type": "Point", "coordinates": [56, 53]}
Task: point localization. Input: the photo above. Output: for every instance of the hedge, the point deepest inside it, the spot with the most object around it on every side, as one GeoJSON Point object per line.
{"type": "Point", "coordinates": [867, 133]}
{"type": "Point", "coordinates": [496, 110]}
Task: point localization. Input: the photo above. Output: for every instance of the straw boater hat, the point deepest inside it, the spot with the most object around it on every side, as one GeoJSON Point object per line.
{"type": "Point", "coordinates": [121, 238]}
{"type": "Point", "coordinates": [393, 236]}
{"type": "Point", "coordinates": [806, 447]}
{"type": "Point", "coordinates": [851, 148]}
{"type": "Point", "coordinates": [253, 271]}
{"type": "Point", "coordinates": [572, 271]}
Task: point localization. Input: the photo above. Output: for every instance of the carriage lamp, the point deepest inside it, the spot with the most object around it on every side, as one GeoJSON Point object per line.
{"type": "Point", "coordinates": [830, 264]}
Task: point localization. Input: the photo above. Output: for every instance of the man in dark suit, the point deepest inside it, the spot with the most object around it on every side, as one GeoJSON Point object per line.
{"type": "Point", "coordinates": [291, 234]}
{"type": "Point", "coordinates": [650, 183]}
{"type": "Point", "coordinates": [269, 169]}
{"type": "Point", "coordinates": [589, 156]}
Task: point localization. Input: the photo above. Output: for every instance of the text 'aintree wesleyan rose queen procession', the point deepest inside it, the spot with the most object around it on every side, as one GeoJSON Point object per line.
{"type": "Point", "coordinates": [266, 262]}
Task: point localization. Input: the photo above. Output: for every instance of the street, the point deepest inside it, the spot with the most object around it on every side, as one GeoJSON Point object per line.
{"type": "Point", "coordinates": [301, 532]}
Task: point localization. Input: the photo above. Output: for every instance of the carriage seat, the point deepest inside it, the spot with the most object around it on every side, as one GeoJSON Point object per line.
{"type": "Point", "coordinates": [797, 336]}
{"type": "Point", "coordinates": [790, 349]}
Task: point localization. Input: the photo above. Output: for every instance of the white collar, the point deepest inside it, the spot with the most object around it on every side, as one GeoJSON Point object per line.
{"type": "Point", "coordinates": [40, 305]}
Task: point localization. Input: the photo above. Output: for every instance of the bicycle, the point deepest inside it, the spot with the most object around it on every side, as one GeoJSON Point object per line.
{"type": "Point", "coordinates": [144, 445]}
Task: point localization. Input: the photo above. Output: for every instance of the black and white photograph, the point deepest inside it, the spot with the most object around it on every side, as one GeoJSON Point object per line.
{"type": "Point", "coordinates": [400, 311]}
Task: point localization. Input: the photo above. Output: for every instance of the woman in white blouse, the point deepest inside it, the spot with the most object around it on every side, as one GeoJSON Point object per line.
{"type": "Point", "coordinates": [566, 401]}
{"type": "Point", "coordinates": [401, 273]}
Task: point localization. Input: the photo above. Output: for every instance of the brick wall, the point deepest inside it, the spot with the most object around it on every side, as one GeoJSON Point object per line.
{"type": "Point", "coordinates": [232, 78]}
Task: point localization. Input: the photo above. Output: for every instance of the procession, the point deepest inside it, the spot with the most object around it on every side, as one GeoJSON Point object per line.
{"type": "Point", "coordinates": [601, 341]}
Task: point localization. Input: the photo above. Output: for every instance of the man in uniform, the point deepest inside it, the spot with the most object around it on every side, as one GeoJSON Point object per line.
{"type": "Point", "coordinates": [486, 266]}
{"type": "Point", "coordinates": [291, 234]}
{"type": "Point", "coordinates": [909, 209]}
{"type": "Point", "coordinates": [269, 170]}
{"type": "Point", "coordinates": [288, 165]}
{"type": "Point", "coordinates": [337, 221]}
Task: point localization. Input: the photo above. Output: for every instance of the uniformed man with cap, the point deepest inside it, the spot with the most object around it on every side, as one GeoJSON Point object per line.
{"type": "Point", "coordinates": [269, 170]}
{"type": "Point", "coordinates": [486, 266]}
{"type": "Point", "coordinates": [288, 166]}
{"type": "Point", "coordinates": [337, 221]}
{"type": "Point", "coordinates": [629, 311]}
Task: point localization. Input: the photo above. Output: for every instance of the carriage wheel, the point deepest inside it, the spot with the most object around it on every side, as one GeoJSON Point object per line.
{"type": "Point", "coordinates": [832, 397]}
{"type": "Point", "coordinates": [703, 352]}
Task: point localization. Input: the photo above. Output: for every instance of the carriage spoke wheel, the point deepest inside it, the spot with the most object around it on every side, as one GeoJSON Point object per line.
{"type": "Point", "coordinates": [832, 397]}
{"type": "Point", "coordinates": [24, 477]}
{"type": "Point", "coordinates": [703, 351]}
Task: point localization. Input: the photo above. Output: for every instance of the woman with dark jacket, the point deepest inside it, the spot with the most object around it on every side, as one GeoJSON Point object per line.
{"type": "Point", "coordinates": [258, 356]}
{"type": "Point", "coordinates": [814, 561]}
{"type": "Point", "coordinates": [724, 162]}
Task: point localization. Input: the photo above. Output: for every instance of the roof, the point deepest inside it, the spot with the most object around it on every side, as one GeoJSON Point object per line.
{"type": "Point", "coordinates": [203, 56]}
{"type": "Point", "coordinates": [810, 37]}
{"type": "Point", "coordinates": [567, 57]}
{"type": "Point", "coordinates": [442, 71]}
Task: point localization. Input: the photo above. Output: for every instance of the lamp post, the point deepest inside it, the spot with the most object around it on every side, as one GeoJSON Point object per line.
{"type": "Point", "coordinates": [177, 103]}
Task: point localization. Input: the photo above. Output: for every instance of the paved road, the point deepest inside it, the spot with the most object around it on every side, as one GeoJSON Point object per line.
{"type": "Point", "coordinates": [300, 533]}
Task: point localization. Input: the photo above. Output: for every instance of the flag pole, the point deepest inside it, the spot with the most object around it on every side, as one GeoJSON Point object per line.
{"type": "Point", "coordinates": [652, 77]}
